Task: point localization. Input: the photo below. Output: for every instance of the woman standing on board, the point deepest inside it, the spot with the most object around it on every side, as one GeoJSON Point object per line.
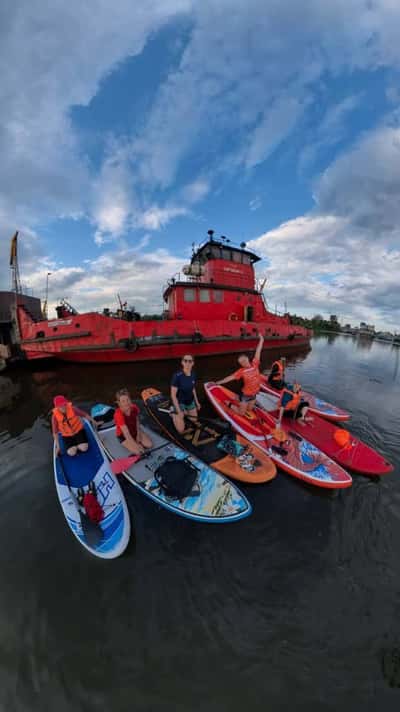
{"type": "Point", "coordinates": [128, 430]}
{"type": "Point", "coordinates": [249, 372]}
{"type": "Point", "coordinates": [183, 394]}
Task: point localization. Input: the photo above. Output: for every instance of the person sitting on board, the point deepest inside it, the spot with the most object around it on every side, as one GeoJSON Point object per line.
{"type": "Point", "coordinates": [276, 378]}
{"type": "Point", "coordinates": [128, 430]}
{"type": "Point", "coordinates": [67, 421]}
{"type": "Point", "coordinates": [249, 372]}
{"type": "Point", "coordinates": [292, 405]}
{"type": "Point", "coordinates": [183, 394]}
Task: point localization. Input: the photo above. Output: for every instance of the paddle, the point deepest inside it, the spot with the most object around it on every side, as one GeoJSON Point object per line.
{"type": "Point", "coordinates": [214, 422]}
{"type": "Point", "coordinates": [92, 532]}
{"type": "Point", "coordinates": [124, 463]}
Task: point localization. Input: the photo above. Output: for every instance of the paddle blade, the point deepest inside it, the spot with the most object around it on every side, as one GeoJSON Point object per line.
{"type": "Point", "coordinates": [123, 463]}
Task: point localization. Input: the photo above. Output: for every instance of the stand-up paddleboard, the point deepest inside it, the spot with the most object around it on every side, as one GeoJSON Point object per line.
{"type": "Point", "coordinates": [213, 500]}
{"type": "Point", "coordinates": [229, 454]}
{"type": "Point", "coordinates": [318, 406]}
{"type": "Point", "coordinates": [110, 537]}
{"type": "Point", "coordinates": [299, 458]}
{"type": "Point", "coordinates": [339, 444]}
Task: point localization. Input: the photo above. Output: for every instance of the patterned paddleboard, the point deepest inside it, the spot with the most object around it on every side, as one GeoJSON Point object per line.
{"type": "Point", "coordinates": [297, 457]}
{"type": "Point", "coordinates": [214, 499]}
{"type": "Point", "coordinates": [113, 532]}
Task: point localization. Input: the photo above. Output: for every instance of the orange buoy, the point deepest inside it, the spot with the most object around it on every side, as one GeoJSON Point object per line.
{"type": "Point", "coordinates": [342, 437]}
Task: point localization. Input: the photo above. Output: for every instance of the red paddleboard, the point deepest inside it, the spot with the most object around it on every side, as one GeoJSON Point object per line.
{"type": "Point", "coordinates": [339, 444]}
{"type": "Point", "coordinates": [297, 457]}
{"type": "Point", "coordinates": [318, 406]}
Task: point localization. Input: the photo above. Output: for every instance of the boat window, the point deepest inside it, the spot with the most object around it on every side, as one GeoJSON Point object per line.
{"type": "Point", "coordinates": [246, 260]}
{"type": "Point", "coordinates": [216, 252]}
{"type": "Point", "coordinates": [189, 295]}
{"type": "Point", "coordinates": [226, 254]}
{"type": "Point", "coordinates": [218, 295]}
{"type": "Point", "coordinates": [237, 256]}
{"type": "Point", "coordinates": [204, 295]}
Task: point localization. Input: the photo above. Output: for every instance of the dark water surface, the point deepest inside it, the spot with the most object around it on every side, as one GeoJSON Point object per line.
{"type": "Point", "coordinates": [297, 607]}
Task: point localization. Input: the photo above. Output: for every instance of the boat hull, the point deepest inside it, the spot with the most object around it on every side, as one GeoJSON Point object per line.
{"type": "Point", "coordinates": [166, 351]}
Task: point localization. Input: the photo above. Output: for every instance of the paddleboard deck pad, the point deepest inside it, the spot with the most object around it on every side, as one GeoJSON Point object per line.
{"type": "Point", "coordinates": [213, 499]}
{"type": "Point", "coordinates": [356, 455]}
{"type": "Point", "coordinates": [317, 405]}
{"type": "Point", "coordinates": [297, 457]}
{"type": "Point", "coordinates": [79, 471]}
{"type": "Point", "coordinates": [211, 442]}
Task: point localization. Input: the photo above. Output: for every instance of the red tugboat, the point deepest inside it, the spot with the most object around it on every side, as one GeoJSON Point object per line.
{"type": "Point", "coordinates": [214, 307]}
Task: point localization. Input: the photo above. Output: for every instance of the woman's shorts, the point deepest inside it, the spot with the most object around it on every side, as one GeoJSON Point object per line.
{"type": "Point", "coordinates": [74, 440]}
{"type": "Point", "coordinates": [185, 407]}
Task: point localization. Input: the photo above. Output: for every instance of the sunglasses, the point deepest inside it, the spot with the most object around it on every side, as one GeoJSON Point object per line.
{"type": "Point", "coordinates": [187, 360]}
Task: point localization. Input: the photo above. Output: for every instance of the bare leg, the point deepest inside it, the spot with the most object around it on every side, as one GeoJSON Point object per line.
{"type": "Point", "coordinates": [192, 414]}
{"type": "Point", "coordinates": [83, 447]}
{"type": "Point", "coordinates": [132, 446]}
{"type": "Point", "coordinates": [179, 422]}
{"type": "Point", "coordinates": [72, 451]}
{"type": "Point", "coordinates": [144, 440]}
{"type": "Point", "coordinates": [302, 418]}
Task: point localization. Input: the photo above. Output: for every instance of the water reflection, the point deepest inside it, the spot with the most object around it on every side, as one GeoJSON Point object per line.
{"type": "Point", "coordinates": [305, 591]}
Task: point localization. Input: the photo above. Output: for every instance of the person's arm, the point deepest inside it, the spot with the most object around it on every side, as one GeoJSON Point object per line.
{"type": "Point", "coordinates": [128, 437]}
{"type": "Point", "coordinates": [174, 398]}
{"type": "Point", "coordinates": [138, 426]}
{"type": "Point", "coordinates": [54, 427]}
{"type": "Point", "coordinates": [196, 400]}
{"type": "Point", "coordinates": [227, 379]}
{"type": "Point", "coordinates": [257, 354]}
{"type": "Point", "coordinates": [82, 414]}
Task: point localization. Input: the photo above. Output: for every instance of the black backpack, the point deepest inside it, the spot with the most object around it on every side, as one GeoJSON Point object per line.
{"type": "Point", "coordinates": [177, 477]}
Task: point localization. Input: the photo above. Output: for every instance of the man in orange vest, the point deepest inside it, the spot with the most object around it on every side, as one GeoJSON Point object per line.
{"type": "Point", "coordinates": [249, 372]}
{"type": "Point", "coordinates": [67, 421]}
{"type": "Point", "coordinates": [276, 378]}
{"type": "Point", "coordinates": [292, 405]}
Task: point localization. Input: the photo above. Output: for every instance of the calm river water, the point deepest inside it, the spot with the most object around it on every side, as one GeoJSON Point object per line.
{"type": "Point", "coordinates": [296, 607]}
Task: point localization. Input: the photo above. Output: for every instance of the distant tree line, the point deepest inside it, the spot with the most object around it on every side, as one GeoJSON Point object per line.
{"type": "Point", "coordinates": [316, 323]}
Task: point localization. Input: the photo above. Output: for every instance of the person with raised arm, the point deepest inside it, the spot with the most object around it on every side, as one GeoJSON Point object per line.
{"type": "Point", "coordinates": [249, 373]}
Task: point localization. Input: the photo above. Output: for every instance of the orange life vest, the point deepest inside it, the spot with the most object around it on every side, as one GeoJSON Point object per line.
{"type": "Point", "coordinates": [68, 423]}
{"type": "Point", "coordinates": [295, 401]}
{"type": "Point", "coordinates": [281, 372]}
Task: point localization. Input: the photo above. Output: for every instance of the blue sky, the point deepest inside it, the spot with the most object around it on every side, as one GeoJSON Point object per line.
{"type": "Point", "coordinates": [127, 130]}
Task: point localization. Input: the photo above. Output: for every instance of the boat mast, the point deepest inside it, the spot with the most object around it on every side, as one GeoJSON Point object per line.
{"type": "Point", "coordinates": [16, 282]}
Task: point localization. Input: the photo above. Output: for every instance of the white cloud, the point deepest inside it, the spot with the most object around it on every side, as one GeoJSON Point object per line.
{"type": "Point", "coordinates": [255, 203]}
{"type": "Point", "coordinates": [247, 76]}
{"type": "Point", "coordinates": [344, 257]}
{"type": "Point", "coordinates": [196, 191]}
{"type": "Point", "coordinates": [137, 275]}
{"type": "Point", "coordinates": [54, 57]}
{"type": "Point", "coordinates": [277, 123]}
{"type": "Point", "coordinates": [155, 217]}
{"type": "Point", "coordinates": [330, 131]}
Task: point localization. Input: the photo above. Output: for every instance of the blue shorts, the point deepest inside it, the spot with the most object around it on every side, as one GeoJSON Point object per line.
{"type": "Point", "coordinates": [187, 406]}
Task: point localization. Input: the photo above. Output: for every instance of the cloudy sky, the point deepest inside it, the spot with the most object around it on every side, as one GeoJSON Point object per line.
{"type": "Point", "coordinates": [127, 129]}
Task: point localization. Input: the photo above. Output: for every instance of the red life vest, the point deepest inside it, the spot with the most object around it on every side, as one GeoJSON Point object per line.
{"type": "Point", "coordinates": [68, 423]}
{"type": "Point", "coordinates": [294, 402]}
{"type": "Point", "coordinates": [281, 371]}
